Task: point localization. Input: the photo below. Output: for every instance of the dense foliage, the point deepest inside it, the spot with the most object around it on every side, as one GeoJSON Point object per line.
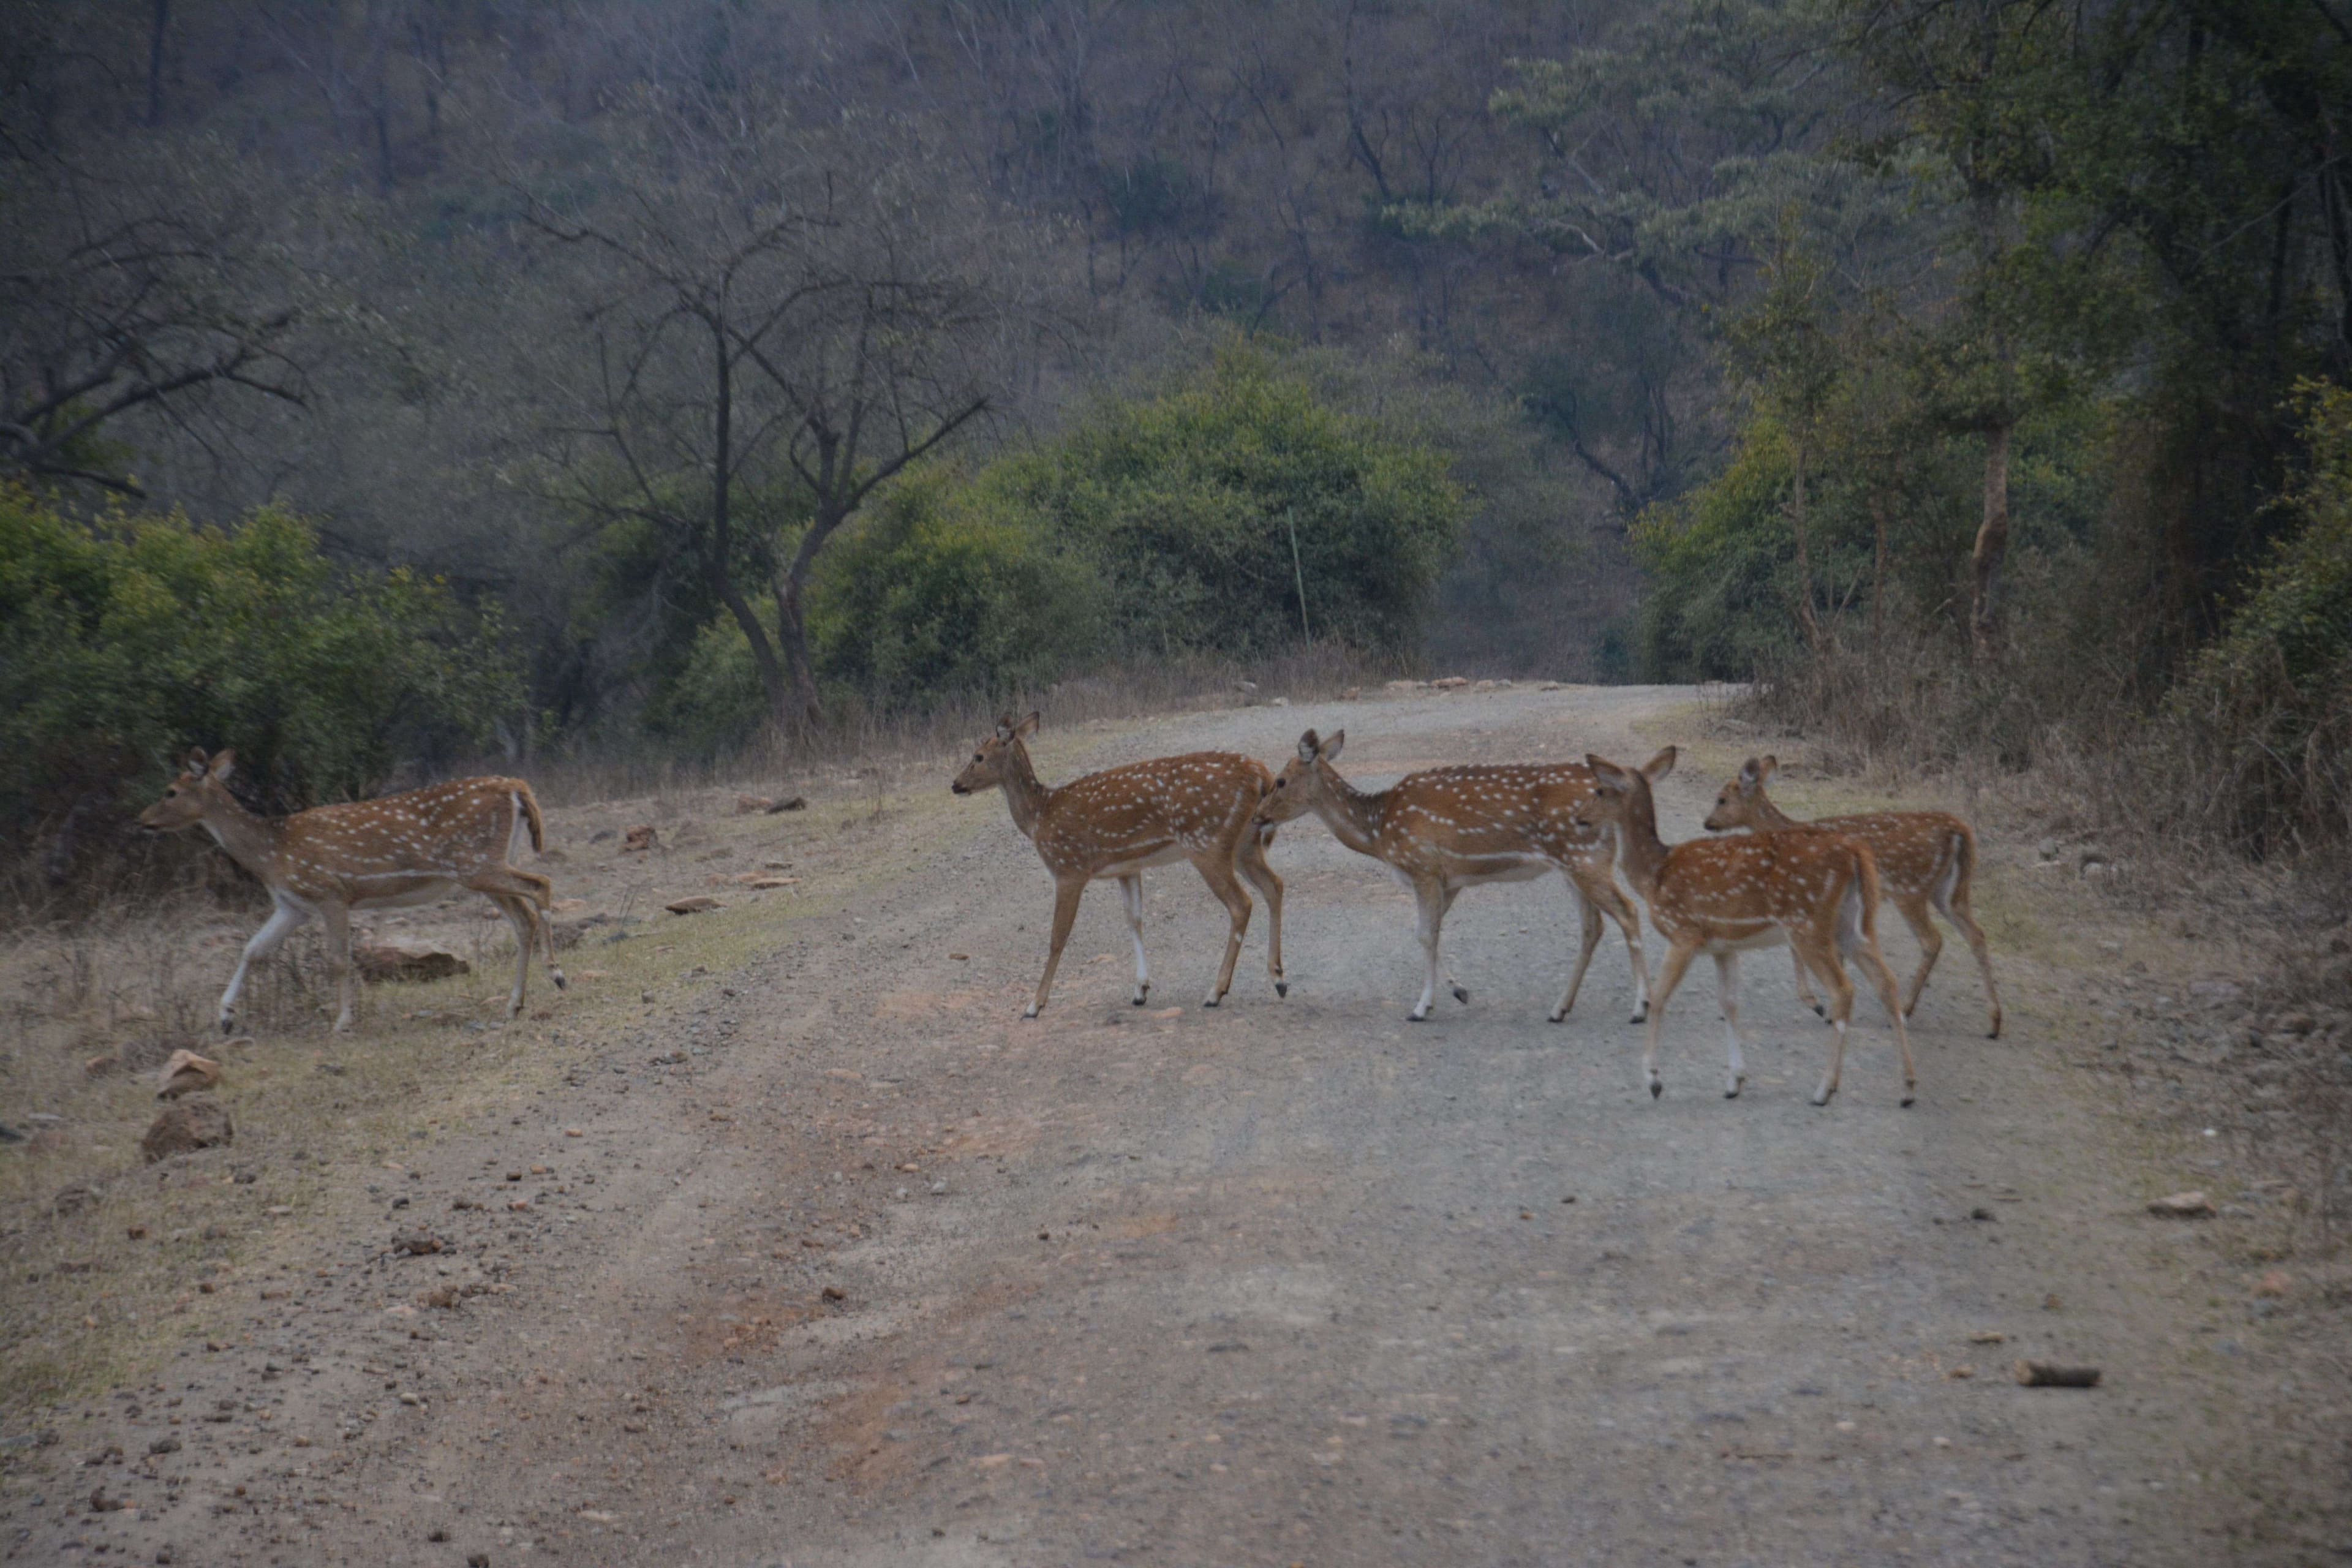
{"type": "Point", "coordinates": [1157, 526]}
{"type": "Point", "coordinates": [124, 642]}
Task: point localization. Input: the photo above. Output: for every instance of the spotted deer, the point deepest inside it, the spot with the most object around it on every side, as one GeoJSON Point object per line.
{"type": "Point", "coordinates": [1117, 823]}
{"type": "Point", "coordinates": [1445, 829]}
{"type": "Point", "coordinates": [1816, 891]}
{"type": "Point", "coordinates": [407, 849]}
{"type": "Point", "coordinates": [1926, 859]}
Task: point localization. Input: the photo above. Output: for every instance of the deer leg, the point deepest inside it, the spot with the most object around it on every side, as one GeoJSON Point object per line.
{"type": "Point", "coordinates": [1914, 908]}
{"type": "Point", "coordinates": [1727, 986]}
{"type": "Point", "coordinates": [525, 920]}
{"type": "Point", "coordinates": [337, 918]}
{"type": "Point", "coordinates": [1628, 916]}
{"type": "Point", "coordinates": [1452, 891]}
{"type": "Point", "coordinates": [531, 894]}
{"type": "Point", "coordinates": [1951, 900]}
{"type": "Point", "coordinates": [1820, 954]}
{"type": "Point", "coordinates": [1862, 942]}
{"type": "Point", "coordinates": [1670, 975]}
{"type": "Point", "coordinates": [1590, 916]}
{"type": "Point", "coordinates": [263, 942]}
{"type": "Point", "coordinates": [1251, 863]}
{"type": "Point", "coordinates": [1065, 914]}
{"type": "Point", "coordinates": [1805, 986]}
{"type": "Point", "coordinates": [1218, 872]}
{"type": "Point", "coordinates": [1130, 890]}
{"type": "Point", "coordinates": [1429, 905]}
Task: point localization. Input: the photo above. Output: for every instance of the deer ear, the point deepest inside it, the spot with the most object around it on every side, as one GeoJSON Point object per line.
{"type": "Point", "coordinates": [1329, 750]}
{"type": "Point", "coordinates": [196, 761]}
{"type": "Point", "coordinates": [1751, 773]}
{"type": "Point", "coordinates": [1308, 746]}
{"type": "Point", "coordinates": [1662, 764]}
{"type": "Point", "coordinates": [1004, 728]}
{"type": "Point", "coordinates": [223, 764]}
{"type": "Point", "coordinates": [1607, 774]}
{"type": "Point", "coordinates": [1029, 726]}
{"type": "Point", "coordinates": [1765, 769]}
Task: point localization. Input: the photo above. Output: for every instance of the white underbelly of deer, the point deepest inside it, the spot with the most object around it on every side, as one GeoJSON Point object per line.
{"type": "Point", "coordinates": [1167, 855]}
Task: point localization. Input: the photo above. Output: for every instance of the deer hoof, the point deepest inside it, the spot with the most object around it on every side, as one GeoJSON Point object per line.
{"type": "Point", "coordinates": [1656, 1087]}
{"type": "Point", "coordinates": [1416, 1017]}
{"type": "Point", "coordinates": [1461, 996]}
{"type": "Point", "coordinates": [560, 984]}
{"type": "Point", "coordinates": [1822, 1095]}
{"type": "Point", "coordinates": [1732, 1086]}
{"type": "Point", "coordinates": [1030, 1011]}
{"type": "Point", "coordinates": [1137, 1000]}
{"type": "Point", "coordinates": [1908, 1097]}
{"type": "Point", "coordinates": [1282, 988]}
{"type": "Point", "coordinates": [1210, 1001]}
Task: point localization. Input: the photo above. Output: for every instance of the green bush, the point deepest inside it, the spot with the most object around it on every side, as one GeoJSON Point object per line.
{"type": "Point", "coordinates": [942, 590]}
{"type": "Point", "coordinates": [123, 643]}
{"type": "Point", "coordinates": [2269, 701]}
{"type": "Point", "coordinates": [1185, 505]}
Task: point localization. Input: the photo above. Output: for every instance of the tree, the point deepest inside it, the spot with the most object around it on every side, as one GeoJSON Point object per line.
{"type": "Point", "coordinates": [132, 288]}
{"type": "Point", "coordinates": [775, 321]}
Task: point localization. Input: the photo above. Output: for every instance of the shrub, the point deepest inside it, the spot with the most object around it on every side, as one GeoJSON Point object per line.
{"type": "Point", "coordinates": [124, 642]}
{"type": "Point", "coordinates": [2269, 701]}
{"type": "Point", "coordinates": [1185, 505]}
{"type": "Point", "coordinates": [943, 591]}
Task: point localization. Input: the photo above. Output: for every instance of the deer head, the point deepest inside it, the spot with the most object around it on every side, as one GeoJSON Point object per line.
{"type": "Point", "coordinates": [993, 760]}
{"type": "Point", "coordinates": [1618, 791]}
{"type": "Point", "coordinates": [1735, 807]}
{"type": "Point", "coordinates": [203, 786]}
{"type": "Point", "coordinates": [1301, 781]}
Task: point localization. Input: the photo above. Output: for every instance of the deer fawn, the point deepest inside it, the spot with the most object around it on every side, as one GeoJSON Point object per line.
{"type": "Point", "coordinates": [1924, 858]}
{"type": "Point", "coordinates": [408, 848]}
{"type": "Point", "coordinates": [1119, 823]}
{"type": "Point", "coordinates": [1816, 891]}
{"type": "Point", "coordinates": [1451, 828]}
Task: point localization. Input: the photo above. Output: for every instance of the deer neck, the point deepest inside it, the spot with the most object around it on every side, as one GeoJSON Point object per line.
{"type": "Point", "coordinates": [252, 841]}
{"type": "Point", "coordinates": [1639, 847]}
{"type": "Point", "coordinates": [1353, 815]}
{"type": "Point", "coordinates": [1770, 817]}
{"type": "Point", "coordinates": [1024, 792]}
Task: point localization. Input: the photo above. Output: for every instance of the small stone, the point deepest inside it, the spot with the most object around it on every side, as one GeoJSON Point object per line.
{"type": "Point", "coordinates": [185, 1127]}
{"type": "Point", "coordinates": [750, 805]}
{"type": "Point", "coordinates": [2273, 1283]}
{"type": "Point", "coordinates": [100, 1065]}
{"type": "Point", "coordinates": [1986, 1337]}
{"type": "Point", "coordinates": [835, 1293]}
{"type": "Point", "coordinates": [2182, 1206]}
{"type": "Point", "coordinates": [186, 1073]}
{"type": "Point", "coordinates": [700, 903]}
{"type": "Point", "coordinates": [641, 838]}
{"type": "Point", "coordinates": [164, 1445]}
{"type": "Point", "coordinates": [417, 1244]}
{"type": "Point", "coordinates": [1961, 1374]}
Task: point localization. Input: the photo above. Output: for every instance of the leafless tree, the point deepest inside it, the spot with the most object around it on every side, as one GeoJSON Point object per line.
{"type": "Point", "coordinates": [128, 288]}
{"type": "Point", "coordinates": [773, 321]}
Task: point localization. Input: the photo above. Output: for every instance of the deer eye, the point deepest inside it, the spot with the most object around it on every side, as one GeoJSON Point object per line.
{"type": "Point", "coordinates": [978, 758]}
{"type": "Point", "coordinates": [1282, 783]}
{"type": "Point", "coordinates": [173, 791]}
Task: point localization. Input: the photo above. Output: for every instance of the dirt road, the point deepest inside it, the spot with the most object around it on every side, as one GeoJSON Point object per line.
{"type": "Point", "coordinates": [840, 1261]}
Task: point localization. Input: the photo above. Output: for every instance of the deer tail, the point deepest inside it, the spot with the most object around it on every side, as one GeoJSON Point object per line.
{"type": "Point", "coordinates": [529, 804]}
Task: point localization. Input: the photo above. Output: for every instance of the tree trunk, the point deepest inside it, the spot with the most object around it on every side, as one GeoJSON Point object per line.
{"type": "Point", "coordinates": [1992, 543]}
{"type": "Point", "coordinates": [1809, 622]}
{"type": "Point", "coordinates": [720, 563]}
{"type": "Point", "coordinates": [792, 632]}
